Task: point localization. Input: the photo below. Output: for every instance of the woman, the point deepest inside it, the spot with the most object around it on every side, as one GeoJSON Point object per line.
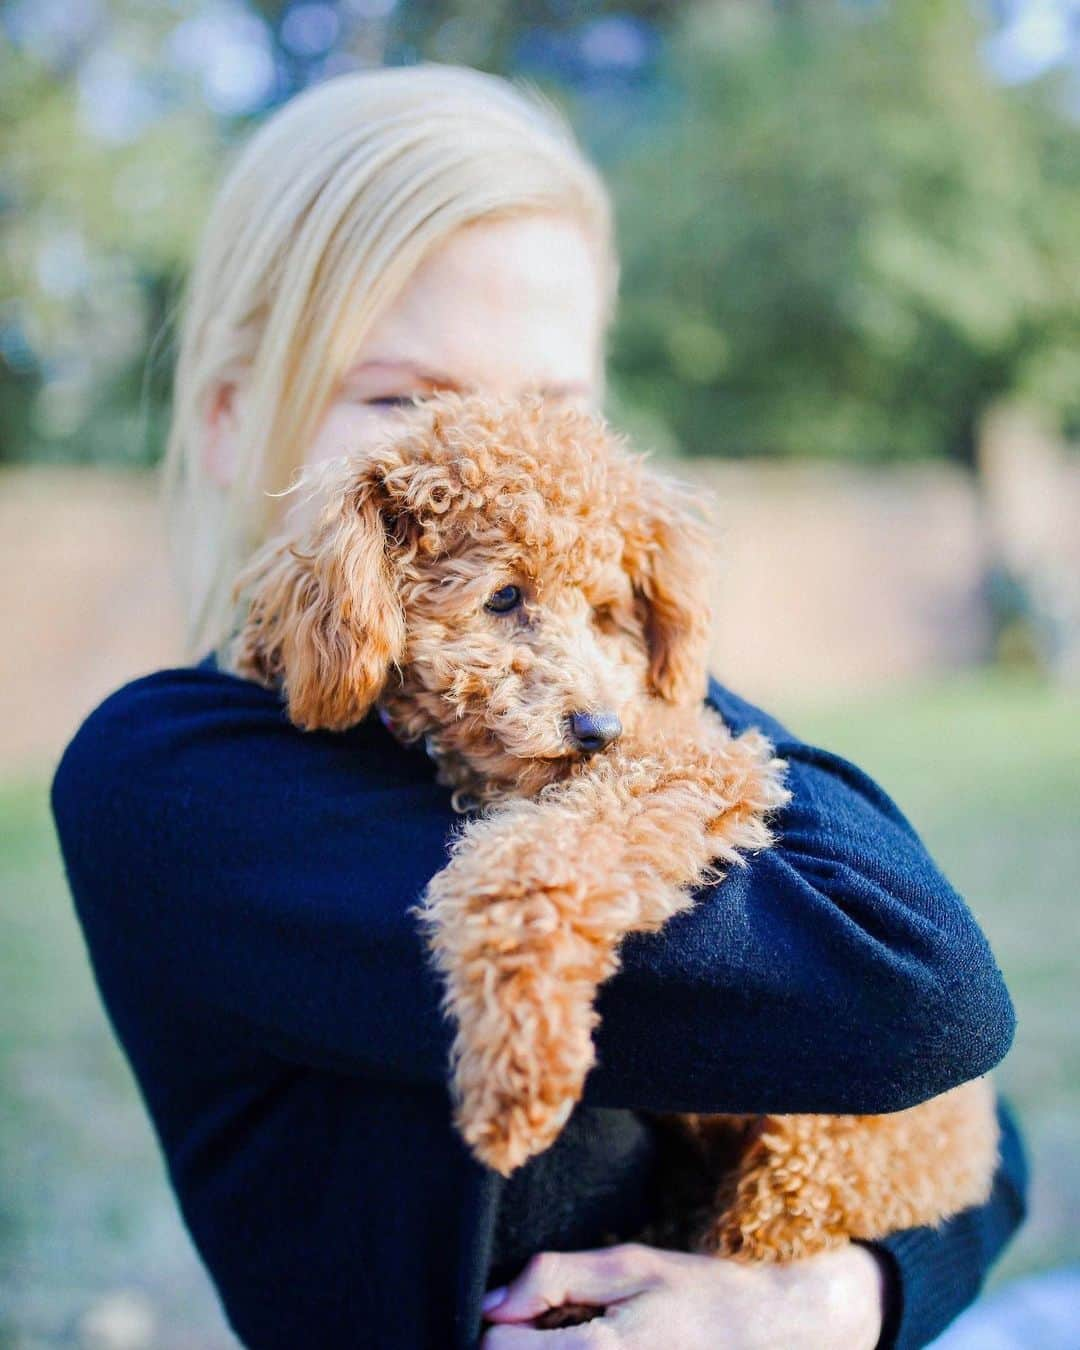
{"type": "Point", "coordinates": [244, 887]}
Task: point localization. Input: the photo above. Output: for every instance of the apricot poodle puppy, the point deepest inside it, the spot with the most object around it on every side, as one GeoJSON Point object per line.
{"type": "Point", "coordinates": [513, 588]}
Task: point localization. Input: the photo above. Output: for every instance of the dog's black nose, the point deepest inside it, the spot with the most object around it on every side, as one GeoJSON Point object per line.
{"type": "Point", "coordinates": [592, 731]}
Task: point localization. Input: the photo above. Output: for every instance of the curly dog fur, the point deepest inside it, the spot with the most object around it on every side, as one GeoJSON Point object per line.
{"type": "Point", "coordinates": [493, 572]}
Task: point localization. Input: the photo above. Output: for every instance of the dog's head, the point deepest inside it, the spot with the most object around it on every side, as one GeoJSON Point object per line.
{"type": "Point", "coordinates": [503, 578]}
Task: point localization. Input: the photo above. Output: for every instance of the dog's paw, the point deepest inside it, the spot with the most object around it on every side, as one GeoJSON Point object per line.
{"type": "Point", "coordinates": [521, 1059]}
{"type": "Point", "coordinates": [516, 1133]}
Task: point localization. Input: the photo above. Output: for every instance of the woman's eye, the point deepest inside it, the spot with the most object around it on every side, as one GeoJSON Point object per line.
{"type": "Point", "coordinates": [391, 401]}
{"type": "Point", "coordinates": [504, 600]}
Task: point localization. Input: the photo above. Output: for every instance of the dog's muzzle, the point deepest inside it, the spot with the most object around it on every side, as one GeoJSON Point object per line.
{"type": "Point", "coordinates": [593, 731]}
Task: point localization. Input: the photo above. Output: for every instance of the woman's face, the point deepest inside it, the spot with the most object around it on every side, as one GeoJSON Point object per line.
{"type": "Point", "coordinates": [501, 306]}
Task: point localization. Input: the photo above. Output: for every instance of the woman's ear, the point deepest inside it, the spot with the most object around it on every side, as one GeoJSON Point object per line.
{"type": "Point", "coordinates": [669, 554]}
{"type": "Point", "coordinates": [323, 616]}
{"type": "Point", "coordinates": [220, 432]}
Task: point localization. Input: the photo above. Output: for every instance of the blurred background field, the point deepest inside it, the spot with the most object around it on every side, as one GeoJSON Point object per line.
{"type": "Point", "coordinates": [850, 305]}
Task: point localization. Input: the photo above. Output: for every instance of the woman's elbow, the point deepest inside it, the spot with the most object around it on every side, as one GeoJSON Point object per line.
{"type": "Point", "coordinates": [961, 1020]}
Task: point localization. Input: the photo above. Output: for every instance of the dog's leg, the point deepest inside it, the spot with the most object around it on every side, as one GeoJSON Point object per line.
{"type": "Point", "coordinates": [810, 1182]}
{"type": "Point", "coordinates": [507, 924]}
{"type": "Point", "coordinates": [525, 921]}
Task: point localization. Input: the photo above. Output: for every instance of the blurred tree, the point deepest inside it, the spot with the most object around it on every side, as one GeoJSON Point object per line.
{"type": "Point", "coordinates": [843, 232]}
{"type": "Point", "coordinates": [105, 171]}
{"type": "Point", "coordinates": [114, 117]}
{"type": "Point", "coordinates": [844, 237]}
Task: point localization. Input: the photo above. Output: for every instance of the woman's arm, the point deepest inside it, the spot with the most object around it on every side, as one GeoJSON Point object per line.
{"type": "Point", "coordinates": [256, 877]}
{"type": "Point", "coordinates": [265, 877]}
{"type": "Point", "coordinates": [837, 972]}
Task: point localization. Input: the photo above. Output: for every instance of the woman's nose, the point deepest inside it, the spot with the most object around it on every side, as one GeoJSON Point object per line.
{"type": "Point", "coordinates": [592, 731]}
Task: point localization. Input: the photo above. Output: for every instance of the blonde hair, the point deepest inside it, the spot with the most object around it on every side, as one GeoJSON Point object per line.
{"type": "Point", "coordinates": [321, 221]}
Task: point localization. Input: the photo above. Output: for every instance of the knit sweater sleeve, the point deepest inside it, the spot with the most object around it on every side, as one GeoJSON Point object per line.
{"type": "Point", "coordinates": [837, 972]}
{"type": "Point", "coordinates": [264, 878]}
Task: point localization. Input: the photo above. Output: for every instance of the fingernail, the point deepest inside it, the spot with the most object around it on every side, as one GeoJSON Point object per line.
{"type": "Point", "coordinates": [493, 1298]}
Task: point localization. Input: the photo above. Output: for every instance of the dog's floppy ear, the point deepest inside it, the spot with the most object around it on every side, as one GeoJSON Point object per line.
{"type": "Point", "coordinates": [669, 554]}
{"type": "Point", "coordinates": [323, 616]}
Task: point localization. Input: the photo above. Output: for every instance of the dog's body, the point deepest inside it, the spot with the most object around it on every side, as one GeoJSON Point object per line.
{"type": "Point", "coordinates": [511, 586]}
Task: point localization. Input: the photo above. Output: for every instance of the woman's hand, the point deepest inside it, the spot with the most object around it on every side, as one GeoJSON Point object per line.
{"type": "Point", "coordinates": [686, 1302]}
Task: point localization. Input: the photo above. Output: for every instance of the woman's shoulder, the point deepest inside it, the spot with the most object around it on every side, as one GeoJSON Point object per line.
{"type": "Point", "coordinates": [179, 692]}
{"type": "Point", "coordinates": [196, 729]}
{"type": "Point", "coordinates": [163, 713]}
{"type": "Point", "coordinates": [741, 715]}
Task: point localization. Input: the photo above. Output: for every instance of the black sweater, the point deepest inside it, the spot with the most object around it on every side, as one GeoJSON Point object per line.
{"type": "Point", "coordinates": [243, 889]}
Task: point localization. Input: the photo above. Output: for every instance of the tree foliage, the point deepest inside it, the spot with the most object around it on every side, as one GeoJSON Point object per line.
{"type": "Point", "coordinates": [841, 235]}
{"type": "Point", "coordinates": [843, 238]}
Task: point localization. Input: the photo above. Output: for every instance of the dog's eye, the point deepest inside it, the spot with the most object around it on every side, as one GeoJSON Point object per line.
{"type": "Point", "coordinates": [504, 600]}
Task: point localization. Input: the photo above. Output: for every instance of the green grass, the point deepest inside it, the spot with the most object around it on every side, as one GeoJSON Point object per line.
{"type": "Point", "coordinates": [988, 772]}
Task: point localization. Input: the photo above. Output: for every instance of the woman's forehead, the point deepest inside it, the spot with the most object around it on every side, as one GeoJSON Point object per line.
{"type": "Point", "coordinates": [498, 306]}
